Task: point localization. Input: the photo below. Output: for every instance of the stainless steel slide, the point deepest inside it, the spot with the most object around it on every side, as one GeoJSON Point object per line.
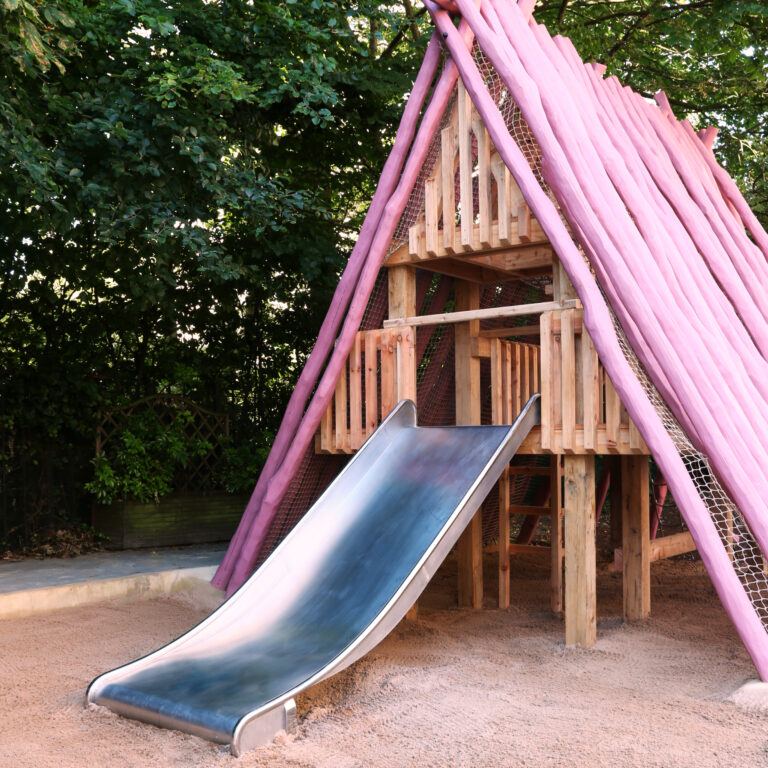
{"type": "Point", "coordinates": [333, 589]}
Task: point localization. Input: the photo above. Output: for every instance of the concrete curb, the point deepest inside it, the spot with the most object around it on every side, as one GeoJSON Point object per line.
{"type": "Point", "coordinates": [191, 582]}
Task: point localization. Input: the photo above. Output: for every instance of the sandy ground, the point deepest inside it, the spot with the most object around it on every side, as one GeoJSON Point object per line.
{"type": "Point", "coordinates": [459, 688]}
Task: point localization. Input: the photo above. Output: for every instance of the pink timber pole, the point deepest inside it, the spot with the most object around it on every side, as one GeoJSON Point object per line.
{"type": "Point", "coordinates": [341, 298]}
{"type": "Point", "coordinates": [279, 482]}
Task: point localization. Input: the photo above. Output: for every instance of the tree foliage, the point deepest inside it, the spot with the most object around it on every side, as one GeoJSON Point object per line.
{"type": "Point", "coordinates": [176, 180]}
{"type": "Point", "coordinates": [709, 56]}
{"type": "Point", "coordinates": [180, 181]}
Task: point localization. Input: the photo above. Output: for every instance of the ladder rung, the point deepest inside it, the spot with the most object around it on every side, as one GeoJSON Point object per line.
{"type": "Point", "coordinates": [524, 509]}
{"type": "Point", "coordinates": [530, 471]}
{"type": "Point", "coordinates": [528, 549]}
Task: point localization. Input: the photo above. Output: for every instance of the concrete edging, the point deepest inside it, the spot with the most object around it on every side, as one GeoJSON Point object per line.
{"type": "Point", "coordinates": [193, 582]}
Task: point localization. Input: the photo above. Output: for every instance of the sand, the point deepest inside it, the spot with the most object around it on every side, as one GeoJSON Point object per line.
{"type": "Point", "coordinates": [458, 688]}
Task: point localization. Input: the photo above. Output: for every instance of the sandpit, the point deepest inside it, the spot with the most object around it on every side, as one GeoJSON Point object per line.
{"type": "Point", "coordinates": [458, 688]}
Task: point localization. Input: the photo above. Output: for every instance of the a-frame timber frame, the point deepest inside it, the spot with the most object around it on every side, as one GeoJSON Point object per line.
{"type": "Point", "coordinates": [483, 241]}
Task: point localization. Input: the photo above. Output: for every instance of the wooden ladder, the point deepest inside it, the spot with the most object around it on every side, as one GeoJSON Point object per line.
{"type": "Point", "coordinates": [553, 510]}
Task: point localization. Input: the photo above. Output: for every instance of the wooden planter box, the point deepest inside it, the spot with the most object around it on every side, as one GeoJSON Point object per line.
{"type": "Point", "coordinates": [176, 520]}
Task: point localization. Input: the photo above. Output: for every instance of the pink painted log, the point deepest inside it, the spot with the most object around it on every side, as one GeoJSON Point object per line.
{"type": "Point", "coordinates": [598, 323]}
{"type": "Point", "coordinates": [279, 483]}
{"type": "Point", "coordinates": [688, 225]}
{"type": "Point", "coordinates": [684, 151]}
{"type": "Point", "coordinates": [734, 195]}
{"type": "Point", "coordinates": [729, 418]}
{"type": "Point", "coordinates": [737, 278]}
{"type": "Point", "coordinates": [664, 174]}
{"type": "Point", "coordinates": [342, 295]}
{"type": "Point", "coordinates": [708, 135]}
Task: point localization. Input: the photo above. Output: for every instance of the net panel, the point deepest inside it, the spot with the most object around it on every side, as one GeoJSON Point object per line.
{"type": "Point", "coordinates": [741, 545]}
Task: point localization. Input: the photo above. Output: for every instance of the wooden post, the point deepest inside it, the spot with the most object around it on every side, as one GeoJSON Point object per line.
{"type": "Point", "coordinates": [556, 533]}
{"type": "Point", "coordinates": [402, 303]}
{"type": "Point", "coordinates": [402, 291]}
{"type": "Point", "coordinates": [470, 550]}
{"type": "Point", "coordinates": [580, 561]}
{"type": "Point", "coordinates": [636, 541]}
{"type": "Point", "coordinates": [504, 539]}
{"type": "Point", "coordinates": [615, 496]}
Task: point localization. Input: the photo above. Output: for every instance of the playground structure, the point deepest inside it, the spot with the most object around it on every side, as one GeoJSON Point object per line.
{"type": "Point", "coordinates": [541, 229]}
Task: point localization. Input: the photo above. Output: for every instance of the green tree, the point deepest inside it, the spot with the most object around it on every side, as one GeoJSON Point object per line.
{"type": "Point", "coordinates": [178, 181]}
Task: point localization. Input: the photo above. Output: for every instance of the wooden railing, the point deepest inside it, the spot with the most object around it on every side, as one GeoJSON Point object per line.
{"type": "Point", "coordinates": [580, 409]}
{"type": "Point", "coordinates": [515, 371]}
{"type": "Point", "coordinates": [584, 412]}
{"type": "Point", "coordinates": [380, 371]}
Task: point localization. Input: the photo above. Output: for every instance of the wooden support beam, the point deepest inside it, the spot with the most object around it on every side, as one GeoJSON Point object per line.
{"type": "Point", "coordinates": [661, 548]}
{"type": "Point", "coordinates": [468, 411]}
{"type": "Point", "coordinates": [580, 557]}
{"type": "Point", "coordinates": [504, 536]}
{"type": "Point", "coordinates": [402, 291]}
{"type": "Point", "coordinates": [669, 546]}
{"type": "Point", "coordinates": [402, 301]}
{"type": "Point", "coordinates": [528, 509]}
{"type": "Point", "coordinates": [513, 255]}
{"type": "Point", "coordinates": [636, 542]}
{"type": "Point", "coordinates": [465, 270]}
{"type": "Point", "coordinates": [463, 316]}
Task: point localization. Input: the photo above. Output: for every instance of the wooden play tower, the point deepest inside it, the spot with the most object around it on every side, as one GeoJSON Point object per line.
{"type": "Point", "coordinates": [476, 227]}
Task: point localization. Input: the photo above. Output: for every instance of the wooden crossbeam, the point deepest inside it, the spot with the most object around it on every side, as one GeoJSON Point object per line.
{"type": "Point", "coordinates": [513, 310]}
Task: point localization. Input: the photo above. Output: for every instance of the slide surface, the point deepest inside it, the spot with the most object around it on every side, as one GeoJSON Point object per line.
{"type": "Point", "coordinates": [334, 588]}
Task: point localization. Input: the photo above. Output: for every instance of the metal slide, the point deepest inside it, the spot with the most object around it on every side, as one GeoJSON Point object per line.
{"type": "Point", "coordinates": [334, 588]}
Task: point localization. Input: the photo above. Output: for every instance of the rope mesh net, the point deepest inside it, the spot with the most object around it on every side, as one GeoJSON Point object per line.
{"type": "Point", "coordinates": [739, 542]}
{"type": "Point", "coordinates": [436, 383]}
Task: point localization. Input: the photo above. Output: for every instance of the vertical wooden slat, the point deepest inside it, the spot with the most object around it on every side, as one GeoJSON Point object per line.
{"type": "Point", "coordinates": [503, 179]}
{"type": "Point", "coordinates": [580, 555]}
{"type": "Point", "coordinates": [589, 390]}
{"type": "Point", "coordinates": [356, 393]}
{"type": "Point", "coordinates": [524, 222]}
{"type": "Point", "coordinates": [340, 431]}
{"type": "Point", "coordinates": [568, 373]}
{"type": "Point", "coordinates": [465, 166]}
{"type": "Point", "coordinates": [447, 177]}
{"type": "Point", "coordinates": [326, 430]}
{"type": "Point", "coordinates": [536, 383]}
{"type": "Point", "coordinates": [635, 438]}
{"type": "Point", "coordinates": [371, 382]}
{"type": "Point", "coordinates": [497, 382]}
{"type": "Point", "coordinates": [405, 376]}
{"type": "Point", "coordinates": [507, 350]}
{"type": "Point", "coordinates": [518, 362]}
{"type": "Point", "coordinates": [524, 374]}
{"type": "Point", "coordinates": [414, 233]}
{"type": "Point", "coordinates": [612, 413]}
{"type": "Point", "coordinates": [387, 373]}
{"type": "Point", "coordinates": [483, 183]}
{"type": "Point", "coordinates": [557, 386]}
{"type": "Point", "coordinates": [431, 215]}
{"type": "Point", "coordinates": [545, 331]}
